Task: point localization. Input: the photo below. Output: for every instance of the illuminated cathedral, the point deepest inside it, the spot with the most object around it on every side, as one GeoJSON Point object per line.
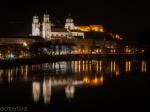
{"type": "Point", "coordinates": [46, 31]}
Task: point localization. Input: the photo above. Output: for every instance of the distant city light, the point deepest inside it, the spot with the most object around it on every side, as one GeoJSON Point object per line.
{"type": "Point", "coordinates": [10, 56]}
{"type": "Point", "coordinates": [25, 44]}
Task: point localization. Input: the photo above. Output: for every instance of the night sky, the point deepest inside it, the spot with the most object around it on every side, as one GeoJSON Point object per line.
{"type": "Point", "coordinates": [131, 18]}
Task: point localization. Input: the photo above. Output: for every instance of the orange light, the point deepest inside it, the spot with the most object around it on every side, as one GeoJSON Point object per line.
{"type": "Point", "coordinates": [86, 80]}
{"type": "Point", "coordinates": [101, 79]}
{"type": "Point", "coordinates": [96, 28]}
{"type": "Point", "coordinates": [93, 81]}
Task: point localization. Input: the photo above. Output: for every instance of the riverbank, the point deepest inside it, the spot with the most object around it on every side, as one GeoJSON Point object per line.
{"type": "Point", "coordinates": [69, 57]}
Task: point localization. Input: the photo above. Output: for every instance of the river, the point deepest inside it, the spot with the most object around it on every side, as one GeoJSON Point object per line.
{"type": "Point", "coordinates": [83, 85]}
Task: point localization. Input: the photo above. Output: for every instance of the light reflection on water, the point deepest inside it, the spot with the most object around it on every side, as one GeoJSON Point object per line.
{"type": "Point", "coordinates": [144, 66]}
{"type": "Point", "coordinates": [46, 87]}
{"type": "Point", "coordinates": [68, 75]}
{"type": "Point", "coordinates": [128, 66]}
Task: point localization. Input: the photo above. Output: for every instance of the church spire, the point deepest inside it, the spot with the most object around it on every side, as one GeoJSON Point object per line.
{"type": "Point", "coordinates": [69, 15]}
{"type": "Point", "coordinates": [35, 14]}
{"type": "Point", "coordinates": [46, 12]}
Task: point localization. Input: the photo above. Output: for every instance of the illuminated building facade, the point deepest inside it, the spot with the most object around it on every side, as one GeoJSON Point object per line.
{"type": "Point", "coordinates": [46, 27]}
{"type": "Point", "coordinates": [95, 28]}
{"type": "Point", "coordinates": [69, 24]}
{"type": "Point", "coordinates": [35, 26]}
{"type": "Point", "coordinates": [48, 32]}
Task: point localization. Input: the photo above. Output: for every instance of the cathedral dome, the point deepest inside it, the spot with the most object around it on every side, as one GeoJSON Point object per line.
{"type": "Point", "coordinates": [69, 20]}
{"type": "Point", "coordinates": [69, 23]}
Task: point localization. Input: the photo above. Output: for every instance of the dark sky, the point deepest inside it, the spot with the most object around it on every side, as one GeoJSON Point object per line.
{"type": "Point", "coordinates": [128, 17]}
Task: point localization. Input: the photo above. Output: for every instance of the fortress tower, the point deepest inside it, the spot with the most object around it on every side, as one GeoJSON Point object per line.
{"type": "Point", "coordinates": [46, 27]}
{"type": "Point", "coordinates": [35, 26]}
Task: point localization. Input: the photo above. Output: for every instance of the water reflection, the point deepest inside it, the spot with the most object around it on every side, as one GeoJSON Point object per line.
{"type": "Point", "coordinates": [48, 78]}
{"type": "Point", "coordinates": [144, 66]}
{"type": "Point", "coordinates": [36, 90]}
{"type": "Point", "coordinates": [47, 86]}
{"type": "Point", "coordinates": [115, 68]}
{"type": "Point", "coordinates": [128, 66]}
{"type": "Point", "coordinates": [70, 91]}
{"type": "Point", "coordinates": [93, 81]}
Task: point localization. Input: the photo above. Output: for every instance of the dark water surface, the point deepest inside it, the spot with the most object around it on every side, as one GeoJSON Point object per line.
{"type": "Point", "coordinates": [85, 85]}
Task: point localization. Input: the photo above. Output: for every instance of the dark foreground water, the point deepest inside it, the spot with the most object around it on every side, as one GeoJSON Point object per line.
{"type": "Point", "coordinates": [85, 85]}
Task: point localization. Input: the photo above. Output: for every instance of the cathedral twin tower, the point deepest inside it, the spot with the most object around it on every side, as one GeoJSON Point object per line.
{"type": "Point", "coordinates": [46, 27]}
